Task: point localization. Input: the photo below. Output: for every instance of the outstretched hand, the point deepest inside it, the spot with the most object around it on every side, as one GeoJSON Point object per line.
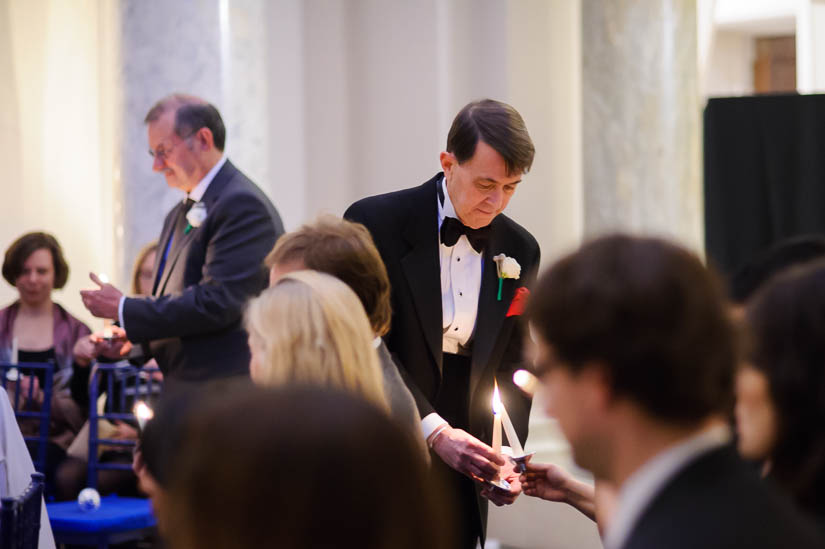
{"type": "Point", "coordinates": [102, 302]}
{"type": "Point", "coordinates": [552, 483]}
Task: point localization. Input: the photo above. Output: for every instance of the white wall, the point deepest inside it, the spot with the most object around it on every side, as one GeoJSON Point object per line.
{"type": "Point", "coordinates": [56, 149]}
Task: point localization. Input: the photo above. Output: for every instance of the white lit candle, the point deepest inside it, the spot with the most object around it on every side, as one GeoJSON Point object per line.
{"type": "Point", "coordinates": [143, 413]}
{"type": "Point", "coordinates": [107, 328]}
{"type": "Point", "coordinates": [12, 374]}
{"type": "Point", "coordinates": [496, 421]}
{"type": "Point", "coordinates": [509, 430]}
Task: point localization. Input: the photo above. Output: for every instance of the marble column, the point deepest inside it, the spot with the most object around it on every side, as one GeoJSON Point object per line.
{"type": "Point", "coordinates": [210, 48]}
{"type": "Point", "coordinates": [641, 155]}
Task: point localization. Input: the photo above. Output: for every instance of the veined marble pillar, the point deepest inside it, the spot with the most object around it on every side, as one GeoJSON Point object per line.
{"type": "Point", "coordinates": [214, 49]}
{"type": "Point", "coordinates": [641, 155]}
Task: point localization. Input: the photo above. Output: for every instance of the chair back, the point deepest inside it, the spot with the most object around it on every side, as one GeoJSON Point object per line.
{"type": "Point", "coordinates": [20, 517]}
{"type": "Point", "coordinates": [124, 385]}
{"type": "Point", "coordinates": [22, 404]}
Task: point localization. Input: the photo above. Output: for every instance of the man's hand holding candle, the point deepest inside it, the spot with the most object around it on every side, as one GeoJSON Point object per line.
{"type": "Point", "coordinates": [466, 454]}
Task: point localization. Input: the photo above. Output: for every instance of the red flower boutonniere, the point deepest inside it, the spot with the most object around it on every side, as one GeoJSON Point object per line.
{"type": "Point", "coordinates": [519, 302]}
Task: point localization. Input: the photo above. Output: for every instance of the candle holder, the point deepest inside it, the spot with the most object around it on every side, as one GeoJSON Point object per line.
{"type": "Point", "coordinates": [498, 484]}
{"type": "Point", "coordinates": [521, 461]}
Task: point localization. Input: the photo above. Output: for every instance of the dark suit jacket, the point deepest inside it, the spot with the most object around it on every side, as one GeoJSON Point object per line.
{"type": "Point", "coordinates": [404, 225]}
{"type": "Point", "coordinates": [716, 502]}
{"type": "Point", "coordinates": [192, 323]}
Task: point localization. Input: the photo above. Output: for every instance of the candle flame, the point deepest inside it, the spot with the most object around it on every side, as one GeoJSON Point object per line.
{"type": "Point", "coordinates": [496, 399]}
{"type": "Point", "coordinates": [143, 411]}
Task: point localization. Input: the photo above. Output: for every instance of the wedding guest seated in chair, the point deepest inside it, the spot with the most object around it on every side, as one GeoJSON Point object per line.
{"type": "Point", "coordinates": [41, 330]}
{"type": "Point", "coordinates": [72, 473]}
{"type": "Point", "coordinates": [311, 328]}
{"type": "Point", "coordinates": [346, 251]}
{"type": "Point", "coordinates": [781, 387]}
{"type": "Point", "coordinates": [301, 466]}
{"type": "Point", "coordinates": [638, 354]}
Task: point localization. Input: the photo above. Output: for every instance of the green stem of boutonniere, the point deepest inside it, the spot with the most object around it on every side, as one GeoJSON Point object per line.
{"type": "Point", "coordinates": [500, 281]}
{"type": "Point", "coordinates": [189, 228]}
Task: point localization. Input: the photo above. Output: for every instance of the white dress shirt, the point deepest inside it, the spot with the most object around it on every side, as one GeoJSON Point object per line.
{"type": "Point", "coordinates": [648, 480]}
{"type": "Point", "coordinates": [195, 194]}
{"type": "Point", "coordinates": [460, 285]}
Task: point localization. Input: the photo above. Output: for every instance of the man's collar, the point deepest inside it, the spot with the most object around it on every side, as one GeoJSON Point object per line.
{"type": "Point", "coordinates": [647, 481]}
{"type": "Point", "coordinates": [200, 189]}
{"type": "Point", "coordinates": [446, 209]}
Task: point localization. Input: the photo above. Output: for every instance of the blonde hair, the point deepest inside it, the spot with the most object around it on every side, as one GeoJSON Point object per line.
{"type": "Point", "coordinates": [141, 257]}
{"type": "Point", "coordinates": [311, 328]}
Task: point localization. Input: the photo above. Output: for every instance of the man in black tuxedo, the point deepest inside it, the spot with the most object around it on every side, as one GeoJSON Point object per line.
{"type": "Point", "coordinates": [453, 334]}
{"type": "Point", "coordinates": [637, 352]}
{"type": "Point", "coordinates": [210, 259]}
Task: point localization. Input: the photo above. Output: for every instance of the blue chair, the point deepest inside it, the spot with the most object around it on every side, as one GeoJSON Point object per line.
{"type": "Point", "coordinates": [9, 373]}
{"type": "Point", "coordinates": [119, 519]}
{"type": "Point", "coordinates": [20, 517]}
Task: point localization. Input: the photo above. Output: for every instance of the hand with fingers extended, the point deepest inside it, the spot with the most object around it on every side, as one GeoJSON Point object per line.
{"type": "Point", "coordinates": [466, 454]}
{"type": "Point", "coordinates": [504, 497]}
{"type": "Point", "coordinates": [551, 482]}
{"type": "Point", "coordinates": [103, 302]}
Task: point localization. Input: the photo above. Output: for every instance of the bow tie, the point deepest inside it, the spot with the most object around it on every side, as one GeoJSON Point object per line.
{"type": "Point", "coordinates": [452, 229]}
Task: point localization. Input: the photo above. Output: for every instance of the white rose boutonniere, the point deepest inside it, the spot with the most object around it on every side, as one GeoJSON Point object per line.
{"type": "Point", "coordinates": [195, 216]}
{"type": "Point", "coordinates": [507, 267]}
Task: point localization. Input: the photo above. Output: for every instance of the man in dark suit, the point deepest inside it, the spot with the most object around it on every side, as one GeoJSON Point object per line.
{"type": "Point", "coordinates": [637, 352]}
{"type": "Point", "coordinates": [210, 259]}
{"type": "Point", "coordinates": [455, 329]}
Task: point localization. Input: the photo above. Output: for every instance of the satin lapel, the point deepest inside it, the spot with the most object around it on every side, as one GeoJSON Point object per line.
{"type": "Point", "coordinates": [209, 198]}
{"type": "Point", "coordinates": [491, 311]}
{"type": "Point", "coordinates": [174, 254]}
{"type": "Point", "coordinates": [164, 238]}
{"type": "Point", "coordinates": [422, 269]}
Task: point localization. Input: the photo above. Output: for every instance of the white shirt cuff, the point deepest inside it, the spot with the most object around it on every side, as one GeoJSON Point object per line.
{"type": "Point", "coordinates": [120, 311]}
{"type": "Point", "coordinates": [430, 423]}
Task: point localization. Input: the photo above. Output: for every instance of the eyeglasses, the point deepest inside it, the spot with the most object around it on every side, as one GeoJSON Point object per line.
{"type": "Point", "coordinates": [162, 153]}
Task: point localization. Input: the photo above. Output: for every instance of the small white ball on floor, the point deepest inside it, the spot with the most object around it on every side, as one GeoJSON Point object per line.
{"type": "Point", "coordinates": [88, 500]}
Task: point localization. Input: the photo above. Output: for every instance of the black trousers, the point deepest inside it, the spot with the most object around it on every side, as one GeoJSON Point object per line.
{"type": "Point", "coordinates": [453, 404]}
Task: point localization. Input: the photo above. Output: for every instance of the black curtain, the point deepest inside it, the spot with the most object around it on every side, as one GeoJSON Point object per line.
{"type": "Point", "coordinates": [764, 173]}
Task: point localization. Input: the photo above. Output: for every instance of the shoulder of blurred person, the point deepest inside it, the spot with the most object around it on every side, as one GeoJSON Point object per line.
{"type": "Point", "coordinates": [402, 403]}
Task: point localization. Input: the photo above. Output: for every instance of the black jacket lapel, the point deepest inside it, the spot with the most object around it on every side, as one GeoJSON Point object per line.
{"type": "Point", "coordinates": [491, 311]}
{"type": "Point", "coordinates": [168, 227]}
{"type": "Point", "coordinates": [421, 266]}
{"type": "Point", "coordinates": [211, 195]}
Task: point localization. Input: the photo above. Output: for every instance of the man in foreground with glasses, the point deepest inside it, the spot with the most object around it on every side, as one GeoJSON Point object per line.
{"type": "Point", "coordinates": [210, 259]}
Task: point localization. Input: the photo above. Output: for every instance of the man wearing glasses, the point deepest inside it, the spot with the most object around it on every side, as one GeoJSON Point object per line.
{"type": "Point", "coordinates": [210, 259]}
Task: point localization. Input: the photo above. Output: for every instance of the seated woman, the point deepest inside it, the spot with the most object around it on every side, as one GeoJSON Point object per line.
{"type": "Point", "coordinates": [300, 466]}
{"type": "Point", "coordinates": [43, 331]}
{"type": "Point", "coordinates": [311, 328]}
{"type": "Point", "coordinates": [72, 473]}
{"type": "Point", "coordinates": [780, 405]}
{"type": "Point", "coordinates": [346, 251]}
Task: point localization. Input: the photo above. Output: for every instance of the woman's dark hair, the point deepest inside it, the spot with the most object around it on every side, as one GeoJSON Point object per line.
{"type": "Point", "coordinates": [26, 245]}
{"type": "Point", "coordinates": [296, 467]}
{"type": "Point", "coordinates": [750, 276]}
{"type": "Point", "coordinates": [787, 323]}
{"type": "Point", "coordinates": [347, 251]}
